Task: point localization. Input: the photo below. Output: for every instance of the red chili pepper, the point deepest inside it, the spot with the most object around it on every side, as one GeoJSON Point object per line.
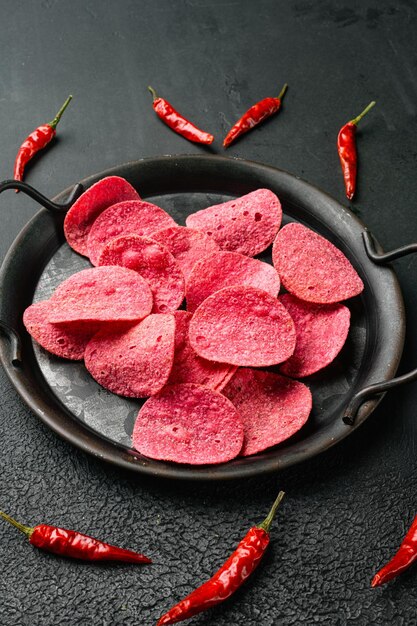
{"type": "Point", "coordinates": [74, 544]}
{"type": "Point", "coordinates": [177, 122]}
{"type": "Point", "coordinates": [37, 140]}
{"type": "Point", "coordinates": [254, 116]}
{"type": "Point", "coordinates": [346, 147]}
{"type": "Point", "coordinates": [238, 567]}
{"type": "Point", "coordinates": [405, 556]}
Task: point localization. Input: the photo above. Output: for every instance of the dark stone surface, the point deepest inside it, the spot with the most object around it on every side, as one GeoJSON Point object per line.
{"type": "Point", "coordinates": [346, 511]}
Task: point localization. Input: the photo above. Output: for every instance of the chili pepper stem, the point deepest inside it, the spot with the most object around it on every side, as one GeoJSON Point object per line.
{"type": "Point", "coordinates": [364, 112]}
{"type": "Point", "coordinates": [282, 92]}
{"type": "Point", "coordinates": [266, 524]}
{"type": "Point", "coordinates": [27, 530]}
{"type": "Point", "coordinates": [153, 92]}
{"type": "Point", "coordinates": [58, 116]}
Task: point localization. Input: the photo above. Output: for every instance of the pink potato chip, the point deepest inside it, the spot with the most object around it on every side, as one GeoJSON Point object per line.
{"type": "Point", "coordinates": [272, 407]}
{"type": "Point", "coordinates": [321, 333]}
{"type": "Point", "coordinates": [133, 217]}
{"type": "Point", "coordinates": [136, 362]}
{"type": "Point", "coordinates": [312, 268]}
{"type": "Point", "coordinates": [224, 269]}
{"type": "Point", "coordinates": [242, 326]}
{"type": "Point", "coordinates": [188, 424]}
{"type": "Point", "coordinates": [101, 294]}
{"type": "Point", "coordinates": [186, 245]}
{"type": "Point", "coordinates": [189, 367]}
{"type": "Point", "coordinates": [90, 204]}
{"type": "Point", "coordinates": [247, 224]}
{"type": "Point", "coordinates": [68, 343]}
{"type": "Point", "coordinates": [154, 263]}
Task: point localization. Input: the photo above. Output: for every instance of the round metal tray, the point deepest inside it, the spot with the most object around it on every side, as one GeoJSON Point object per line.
{"type": "Point", "coordinates": [65, 397]}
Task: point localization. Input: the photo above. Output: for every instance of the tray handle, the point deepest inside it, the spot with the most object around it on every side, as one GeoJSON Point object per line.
{"type": "Point", "coordinates": [18, 185]}
{"type": "Point", "coordinates": [372, 390]}
{"type": "Point", "coordinates": [15, 342]}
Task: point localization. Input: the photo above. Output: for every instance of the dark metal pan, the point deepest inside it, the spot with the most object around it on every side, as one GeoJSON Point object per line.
{"type": "Point", "coordinates": [65, 397]}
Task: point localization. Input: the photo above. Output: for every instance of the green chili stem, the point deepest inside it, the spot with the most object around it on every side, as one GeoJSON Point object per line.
{"type": "Point", "coordinates": [282, 92]}
{"type": "Point", "coordinates": [27, 530]}
{"type": "Point", "coordinates": [364, 112]}
{"type": "Point", "coordinates": [58, 116]}
{"type": "Point", "coordinates": [268, 520]}
{"type": "Point", "coordinates": [153, 92]}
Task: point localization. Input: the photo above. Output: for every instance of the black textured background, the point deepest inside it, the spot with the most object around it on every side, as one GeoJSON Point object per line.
{"type": "Point", "coordinates": [346, 511]}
